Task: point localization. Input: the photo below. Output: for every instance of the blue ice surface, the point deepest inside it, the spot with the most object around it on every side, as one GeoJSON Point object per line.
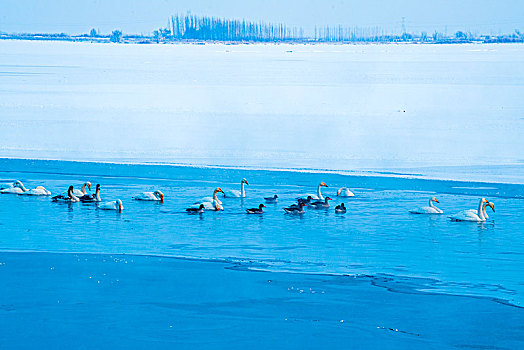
{"type": "Point", "coordinates": [121, 301]}
{"type": "Point", "coordinates": [376, 239]}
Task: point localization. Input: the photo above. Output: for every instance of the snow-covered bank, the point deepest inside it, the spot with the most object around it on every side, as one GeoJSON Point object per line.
{"type": "Point", "coordinates": [353, 107]}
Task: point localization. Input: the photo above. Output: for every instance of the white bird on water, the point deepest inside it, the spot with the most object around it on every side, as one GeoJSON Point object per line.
{"type": "Point", "coordinates": [113, 205]}
{"type": "Point", "coordinates": [15, 188]}
{"type": "Point", "coordinates": [210, 203]}
{"type": "Point", "coordinates": [488, 204]}
{"type": "Point", "coordinates": [235, 193]}
{"type": "Point", "coordinates": [157, 196]}
{"type": "Point", "coordinates": [82, 192]}
{"type": "Point", "coordinates": [317, 196]}
{"type": "Point", "coordinates": [345, 192]}
{"type": "Point", "coordinates": [19, 188]}
{"type": "Point", "coordinates": [431, 209]}
{"type": "Point", "coordinates": [472, 214]}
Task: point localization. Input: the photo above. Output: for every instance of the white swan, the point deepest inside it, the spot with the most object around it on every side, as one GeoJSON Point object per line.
{"type": "Point", "coordinates": [37, 191]}
{"type": "Point", "coordinates": [16, 188]}
{"type": "Point", "coordinates": [113, 205]}
{"type": "Point", "coordinates": [209, 199]}
{"type": "Point", "coordinates": [488, 204]}
{"type": "Point", "coordinates": [431, 209]}
{"type": "Point", "coordinates": [471, 214]}
{"type": "Point", "coordinates": [150, 196]}
{"type": "Point", "coordinates": [19, 188]}
{"type": "Point", "coordinates": [80, 193]}
{"type": "Point", "coordinates": [345, 192]}
{"type": "Point", "coordinates": [212, 204]}
{"type": "Point", "coordinates": [317, 196]}
{"type": "Point", "coordinates": [235, 193]}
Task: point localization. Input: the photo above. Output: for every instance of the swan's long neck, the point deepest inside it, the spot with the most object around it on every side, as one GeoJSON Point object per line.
{"type": "Point", "coordinates": [242, 190]}
{"type": "Point", "coordinates": [480, 210]}
{"type": "Point", "coordinates": [84, 189]}
{"type": "Point", "coordinates": [431, 203]}
{"type": "Point", "coordinates": [319, 193]}
{"type": "Point", "coordinates": [484, 211]}
{"type": "Point", "coordinates": [215, 196]}
{"type": "Point", "coordinates": [22, 187]}
{"type": "Point", "coordinates": [98, 194]}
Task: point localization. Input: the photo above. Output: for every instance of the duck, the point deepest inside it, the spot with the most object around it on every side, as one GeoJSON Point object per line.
{"type": "Point", "coordinates": [345, 192]}
{"type": "Point", "coordinates": [317, 196]}
{"type": "Point", "coordinates": [235, 193]}
{"type": "Point", "coordinates": [295, 209]}
{"type": "Point", "coordinates": [150, 196]}
{"type": "Point", "coordinates": [321, 204]}
{"type": "Point", "coordinates": [271, 199]}
{"type": "Point", "coordinates": [340, 209]}
{"type": "Point", "coordinates": [258, 210]}
{"type": "Point", "coordinates": [211, 203]}
{"type": "Point", "coordinates": [95, 197]}
{"type": "Point", "coordinates": [305, 202]}
{"type": "Point", "coordinates": [71, 198]}
{"type": "Point", "coordinates": [431, 209]}
{"type": "Point", "coordinates": [472, 214]}
{"type": "Point", "coordinates": [198, 210]}
{"type": "Point", "coordinates": [113, 205]}
{"type": "Point", "coordinates": [82, 192]}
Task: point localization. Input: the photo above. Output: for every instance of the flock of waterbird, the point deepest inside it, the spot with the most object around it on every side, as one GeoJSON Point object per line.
{"type": "Point", "coordinates": [309, 200]}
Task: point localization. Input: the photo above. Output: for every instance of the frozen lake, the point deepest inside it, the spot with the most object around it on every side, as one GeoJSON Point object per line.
{"type": "Point", "coordinates": [72, 272]}
{"type": "Point", "coordinates": [397, 124]}
{"type": "Point", "coordinates": [444, 111]}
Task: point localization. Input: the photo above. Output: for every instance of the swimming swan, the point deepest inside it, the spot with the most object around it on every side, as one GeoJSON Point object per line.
{"type": "Point", "coordinates": [16, 188]}
{"type": "Point", "coordinates": [19, 188]}
{"type": "Point", "coordinates": [113, 205]}
{"type": "Point", "coordinates": [150, 196]}
{"type": "Point", "coordinates": [317, 196]}
{"type": "Point", "coordinates": [488, 204]}
{"type": "Point", "coordinates": [472, 214]}
{"type": "Point", "coordinates": [431, 209]}
{"type": "Point", "coordinates": [82, 192]}
{"type": "Point", "coordinates": [211, 204]}
{"type": "Point", "coordinates": [235, 193]}
{"type": "Point", "coordinates": [345, 192]}
{"type": "Point", "coordinates": [37, 191]}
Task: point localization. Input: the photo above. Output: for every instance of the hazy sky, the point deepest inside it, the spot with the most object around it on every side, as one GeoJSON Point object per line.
{"type": "Point", "coordinates": [141, 16]}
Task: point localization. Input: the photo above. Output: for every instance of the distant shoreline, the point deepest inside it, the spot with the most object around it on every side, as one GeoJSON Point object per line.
{"type": "Point", "coordinates": [149, 40]}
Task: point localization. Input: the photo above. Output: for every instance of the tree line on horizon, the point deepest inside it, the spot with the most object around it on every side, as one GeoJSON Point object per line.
{"type": "Point", "coordinates": [205, 28]}
{"type": "Point", "coordinates": [212, 28]}
{"type": "Point", "coordinates": [192, 27]}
